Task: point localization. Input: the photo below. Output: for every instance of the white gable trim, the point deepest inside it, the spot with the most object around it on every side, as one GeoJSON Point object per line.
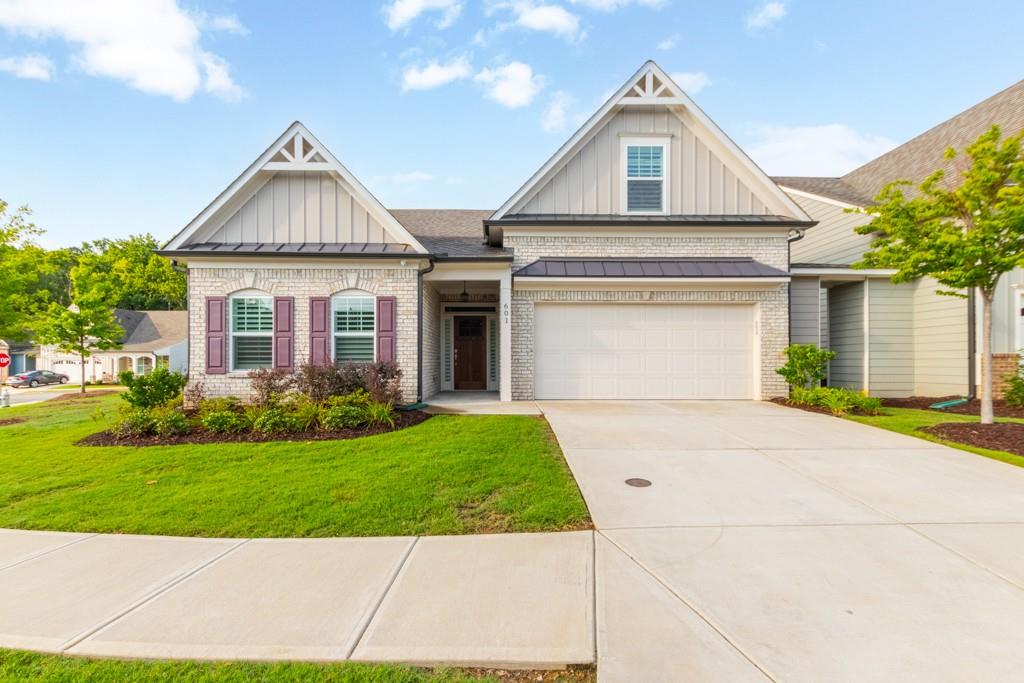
{"type": "Point", "coordinates": [818, 197]}
{"type": "Point", "coordinates": [631, 94]}
{"type": "Point", "coordinates": [289, 150]}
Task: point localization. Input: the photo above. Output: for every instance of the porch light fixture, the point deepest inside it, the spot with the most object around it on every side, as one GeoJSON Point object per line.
{"type": "Point", "coordinates": [464, 297]}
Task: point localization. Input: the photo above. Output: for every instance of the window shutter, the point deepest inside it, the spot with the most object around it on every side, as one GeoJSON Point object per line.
{"type": "Point", "coordinates": [319, 330]}
{"type": "Point", "coordinates": [284, 332]}
{"type": "Point", "coordinates": [386, 324]}
{"type": "Point", "coordinates": [216, 335]}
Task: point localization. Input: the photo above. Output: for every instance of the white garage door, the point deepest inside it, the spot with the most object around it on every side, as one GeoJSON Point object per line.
{"type": "Point", "coordinates": [638, 351]}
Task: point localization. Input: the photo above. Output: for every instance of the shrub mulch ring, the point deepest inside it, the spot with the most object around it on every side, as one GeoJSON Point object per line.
{"type": "Point", "coordinates": [11, 421]}
{"type": "Point", "coordinates": [403, 420]}
{"type": "Point", "coordinates": [1002, 436]}
{"type": "Point", "coordinates": [782, 401]}
{"type": "Point", "coordinates": [971, 408]}
{"type": "Point", "coordinates": [79, 396]}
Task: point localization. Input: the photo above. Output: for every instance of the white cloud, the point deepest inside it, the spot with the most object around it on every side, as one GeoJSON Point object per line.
{"type": "Point", "coordinates": [828, 150]}
{"type": "Point", "coordinates": [228, 23]}
{"type": "Point", "coordinates": [556, 114]}
{"type": "Point", "coordinates": [435, 74]}
{"type": "Point", "coordinates": [766, 15]}
{"type": "Point", "coordinates": [513, 85]}
{"type": "Point", "coordinates": [549, 19]}
{"type": "Point", "coordinates": [35, 67]}
{"type": "Point", "coordinates": [669, 42]}
{"type": "Point", "coordinates": [612, 5]}
{"type": "Point", "coordinates": [401, 13]}
{"type": "Point", "coordinates": [152, 45]}
{"type": "Point", "coordinates": [692, 82]}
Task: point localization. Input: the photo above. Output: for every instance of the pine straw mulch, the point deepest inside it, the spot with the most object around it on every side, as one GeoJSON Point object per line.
{"type": "Point", "coordinates": [403, 420]}
{"type": "Point", "coordinates": [971, 408]}
{"type": "Point", "coordinates": [1001, 436]}
{"type": "Point", "coordinates": [11, 421]}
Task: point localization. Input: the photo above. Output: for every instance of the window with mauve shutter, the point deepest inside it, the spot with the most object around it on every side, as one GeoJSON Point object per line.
{"type": "Point", "coordinates": [252, 332]}
{"type": "Point", "coordinates": [354, 326]}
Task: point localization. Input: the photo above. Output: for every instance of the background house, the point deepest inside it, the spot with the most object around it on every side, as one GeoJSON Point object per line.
{"type": "Point", "coordinates": [23, 358]}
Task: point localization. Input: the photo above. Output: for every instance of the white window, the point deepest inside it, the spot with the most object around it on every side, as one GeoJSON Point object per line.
{"type": "Point", "coordinates": [645, 165]}
{"type": "Point", "coordinates": [252, 331]}
{"type": "Point", "coordinates": [354, 324]}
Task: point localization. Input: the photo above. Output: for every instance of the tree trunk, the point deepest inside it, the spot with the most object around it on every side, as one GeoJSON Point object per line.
{"type": "Point", "coordinates": [988, 382]}
{"type": "Point", "coordinates": [81, 355]}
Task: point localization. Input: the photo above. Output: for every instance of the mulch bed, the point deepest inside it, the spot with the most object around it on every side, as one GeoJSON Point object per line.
{"type": "Point", "coordinates": [11, 421]}
{"type": "Point", "coordinates": [79, 396]}
{"type": "Point", "coordinates": [1002, 436]}
{"type": "Point", "coordinates": [403, 420]}
{"type": "Point", "coordinates": [971, 408]}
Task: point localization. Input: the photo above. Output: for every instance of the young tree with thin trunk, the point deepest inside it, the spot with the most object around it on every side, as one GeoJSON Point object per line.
{"type": "Point", "coordinates": [964, 234]}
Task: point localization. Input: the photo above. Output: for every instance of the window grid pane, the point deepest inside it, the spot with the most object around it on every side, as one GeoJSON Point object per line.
{"type": "Point", "coordinates": [252, 352]}
{"type": "Point", "coordinates": [252, 314]}
{"type": "Point", "coordinates": [644, 161]}
{"type": "Point", "coordinates": [354, 314]}
{"type": "Point", "coordinates": [350, 349]}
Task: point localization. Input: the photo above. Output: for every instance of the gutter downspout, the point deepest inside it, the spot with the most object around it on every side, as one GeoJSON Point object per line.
{"type": "Point", "coordinates": [972, 346]}
{"type": "Point", "coordinates": [419, 330]}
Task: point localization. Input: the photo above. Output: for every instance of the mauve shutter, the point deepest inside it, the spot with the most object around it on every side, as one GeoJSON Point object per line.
{"type": "Point", "coordinates": [284, 332]}
{"type": "Point", "coordinates": [319, 330]}
{"type": "Point", "coordinates": [386, 324]}
{"type": "Point", "coordinates": [216, 335]}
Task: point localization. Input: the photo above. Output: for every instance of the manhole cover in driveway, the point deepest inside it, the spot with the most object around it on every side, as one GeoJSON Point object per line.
{"type": "Point", "coordinates": [639, 483]}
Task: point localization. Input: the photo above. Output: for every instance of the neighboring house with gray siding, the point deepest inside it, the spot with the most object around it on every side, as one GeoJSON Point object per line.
{"type": "Point", "coordinates": [912, 341]}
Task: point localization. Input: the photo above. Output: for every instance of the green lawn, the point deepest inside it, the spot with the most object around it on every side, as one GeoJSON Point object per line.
{"type": "Point", "coordinates": [29, 666]}
{"type": "Point", "coordinates": [449, 475]}
{"type": "Point", "coordinates": [907, 421]}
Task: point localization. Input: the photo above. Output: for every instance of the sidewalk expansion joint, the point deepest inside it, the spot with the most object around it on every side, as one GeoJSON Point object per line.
{"type": "Point", "coordinates": [371, 612]}
{"type": "Point", "coordinates": [47, 552]}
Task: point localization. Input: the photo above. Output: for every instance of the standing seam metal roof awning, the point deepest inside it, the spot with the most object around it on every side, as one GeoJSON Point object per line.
{"type": "Point", "coordinates": [650, 267]}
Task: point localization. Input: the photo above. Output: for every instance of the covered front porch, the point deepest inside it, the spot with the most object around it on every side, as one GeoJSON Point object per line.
{"type": "Point", "coordinates": [467, 330]}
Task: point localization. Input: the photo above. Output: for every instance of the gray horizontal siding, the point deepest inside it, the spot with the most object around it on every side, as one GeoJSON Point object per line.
{"type": "Point", "coordinates": [804, 307]}
{"type": "Point", "coordinates": [891, 338]}
{"type": "Point", "coordinates": [940, 342]}
{"type": "Point", "coordinates": [833, 239]}
{"type": "Point", "coordinates": [846, 335]}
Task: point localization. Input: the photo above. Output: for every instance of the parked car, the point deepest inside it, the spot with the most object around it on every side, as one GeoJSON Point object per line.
{"type": "Point", "coordinates": [36, 378]}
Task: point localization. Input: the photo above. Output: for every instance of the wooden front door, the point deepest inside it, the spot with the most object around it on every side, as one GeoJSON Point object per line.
{"type": "Point", "coordinates": [470, 352]}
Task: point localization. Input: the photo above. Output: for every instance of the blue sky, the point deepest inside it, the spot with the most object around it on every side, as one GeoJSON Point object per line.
{"type": "Point", "coordinates": [121, 118]}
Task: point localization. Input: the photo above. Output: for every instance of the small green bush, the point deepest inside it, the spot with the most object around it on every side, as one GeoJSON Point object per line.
{"type": "Point", "coordinates": [358, 398]}
{"type": "Point", "coordinates": [225, 422]}
{"type": "Point", "coordinates": [378, 413]}
{"type": "Point", "coordinates": [152, 390]}
{"type": "Point", "coordinates": [806, 365]}
{"type": "Point", "coordinates": [275, 421]}
{"type": "Point", "coordinates": [836, 400]}
{"type": "Point", "coordinates": [344, 417]}
{"type": "Point", "coordinates": [170, 423]}
{"type": "Point", "coordinates": [305, 411]}
{"type": "Point", "coordinates": [1014, 392]}
{"type": "Point", "coordinates": [868, 405]}
{"type": "Point", "coordinates": [134, 422]}
{"type": "Point", "coordinates": [221, 404]}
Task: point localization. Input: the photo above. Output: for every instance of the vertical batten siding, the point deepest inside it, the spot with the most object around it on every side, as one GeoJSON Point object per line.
{"type": "Point", "coordinates": [804, 308]}
{"type": "Point", "coordinates": [302, 207]}
{"type": "Point", "coordinates": [846, 331]}
{"type": "Point", "coordinates": [891, 344]}
{"type": "Point", "coordinates": [940, 341]}
{"type": "Point", "coordinates": [589, 182]}
{"type": "Point", "coordinates": [833, 239]}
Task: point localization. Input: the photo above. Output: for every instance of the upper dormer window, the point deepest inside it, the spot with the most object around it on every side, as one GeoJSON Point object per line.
{"type": "Point", "coordinates": [645, 175]}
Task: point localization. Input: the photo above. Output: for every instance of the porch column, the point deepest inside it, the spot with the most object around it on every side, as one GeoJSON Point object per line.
{"type": "Point", "coordinates": [505, 336]}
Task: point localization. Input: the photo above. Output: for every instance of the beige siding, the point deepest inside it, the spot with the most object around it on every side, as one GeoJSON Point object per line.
{"type": "Point", "coordinates": [832, 240]}
{"type": "Point", "coordinates": [940, 342]}
{"type": "Point", "coordinates": [891, 343]}
{"type": "Point", "coordinates": [1006, 314]}
{"type": "Point", "coordinates": [804, 307]}
{"type": "Point", "coordinates": [846, 323]}
{"type": "Point", "coordinates": [302, 207]}
{"type": "Point", "coordinates": [589, 182]}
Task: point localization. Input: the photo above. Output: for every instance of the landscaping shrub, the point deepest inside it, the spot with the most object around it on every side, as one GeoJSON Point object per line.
{"type": "Point", "coordinates": [132, 422]}
{"type": "Point", "coordinates": [1014, 393]}
{"type": "Point", "coordinates": [836, 400]}
{"type": "Point", "coordinates": [225, 422]}
{"type": "Point", "coordinates": [219, 404]}
{"type": "Point", "coordinates": [305, 411]}
{"type": "Point", "coordinates": [350, 378]}
{"type": "Point", "coordinates": [378, 413]}
{"type": "Point", "coordinates": [193, 395]}
{"type": "Point", "coordinates": [806, 365]}
{"type": "Point", "coordinates": [170, 422]}
{"type": "Point", "coordinates": [344, 417]}
{"type": "Point", "coordinates": [868, 405]}
{"type": "Point", "coordinates": [358, 398]}
{"type": "Point", "coordinates": [275, 421]}
{"type": "Point", "coordinates": [269, 385]}
{"type": "Point", "coordinates": [319, 381]}
{"type": "Point", "coordinates": [149, 391]}
{"type": "Point", "coordinates": [383, 381]}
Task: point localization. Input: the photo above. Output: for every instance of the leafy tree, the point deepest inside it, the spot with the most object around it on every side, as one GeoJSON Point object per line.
{"type": "Point", "coordinates": [965, 237]}
{"type": "Point", "coordinates": [86, 326]}
{"type": "Point", "coordinates": [141, 280]}
{"type": "Point", "coordinates": [23, 267]}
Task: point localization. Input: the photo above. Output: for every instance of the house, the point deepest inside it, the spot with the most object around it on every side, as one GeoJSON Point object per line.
{"type": "Point", "coordinates": [898, 340]}
{"type": "Point", "coordinates": [23, 358]}
{"type": "Point", "coordinates": [647, 258]}
{"type": "Point", "coordinates": [151, 339]}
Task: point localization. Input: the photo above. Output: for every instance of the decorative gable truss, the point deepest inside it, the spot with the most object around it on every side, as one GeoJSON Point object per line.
{"type": "Point", "coordinates": [296, 192]}
{"type": "Point", "coordinates": [706, 172]}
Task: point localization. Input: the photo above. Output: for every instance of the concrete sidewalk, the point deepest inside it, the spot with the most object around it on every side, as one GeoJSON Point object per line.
{"type": "Point", "coordinates": [513, 600]}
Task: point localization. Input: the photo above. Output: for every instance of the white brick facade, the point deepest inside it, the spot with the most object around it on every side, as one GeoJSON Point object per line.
{"type": "Point", "coordinates": [772, 302]}
{"type": "Point", "coordinates": [302, 283]}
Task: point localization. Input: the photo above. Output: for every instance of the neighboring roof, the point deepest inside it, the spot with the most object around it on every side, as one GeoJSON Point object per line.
{"type": "Point", "coordinates": [463, 249]}
{"type": "Point", "coordinates": [617, 219]}
{"type": "Point", "coordinates": [649, 267]}
{"type": "Point", "coordinates": [638, 90]}
{"type": "Point", "coordinates": [443, 222]}
{"type": "Point", "coordinates": [16, 347]}
{"type": "Point", "coordinates": [151, 330]}
{"type": "Point", "coordinates": [916, 159]}
{"type": "Point", "coordinates": [832, 188]}
{"type": "Point", "coordinates": [288, 249]}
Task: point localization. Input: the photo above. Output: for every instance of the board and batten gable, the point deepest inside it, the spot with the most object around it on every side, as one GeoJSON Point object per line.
{"type": "Point", "coordinates": [590, 181]}
{"type": "Point", "coordinates": [302, 207]}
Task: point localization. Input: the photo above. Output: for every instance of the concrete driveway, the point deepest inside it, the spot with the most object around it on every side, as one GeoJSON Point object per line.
{"type": "Point", "coordinates": [778, 544]}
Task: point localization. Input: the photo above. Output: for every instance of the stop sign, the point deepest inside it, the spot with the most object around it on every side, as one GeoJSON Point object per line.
{"type": "Point", "coordinates": [5, 360]}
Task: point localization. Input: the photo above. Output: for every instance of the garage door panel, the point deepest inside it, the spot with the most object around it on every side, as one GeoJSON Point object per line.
{"type": "Point", "coordinates": [656, 351]}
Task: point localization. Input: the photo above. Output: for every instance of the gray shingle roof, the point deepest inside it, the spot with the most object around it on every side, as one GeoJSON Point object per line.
{"type": "Point", "coordinates": [649, 267]}
{"type": "Point", "coordinates": [151, 330]}
{"type": "Point", "coordinates": [833, 188]}
{"type": "Point", "coordinates": [443, 222]}
{"type": "Point", "coordinates": [454, 248]}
